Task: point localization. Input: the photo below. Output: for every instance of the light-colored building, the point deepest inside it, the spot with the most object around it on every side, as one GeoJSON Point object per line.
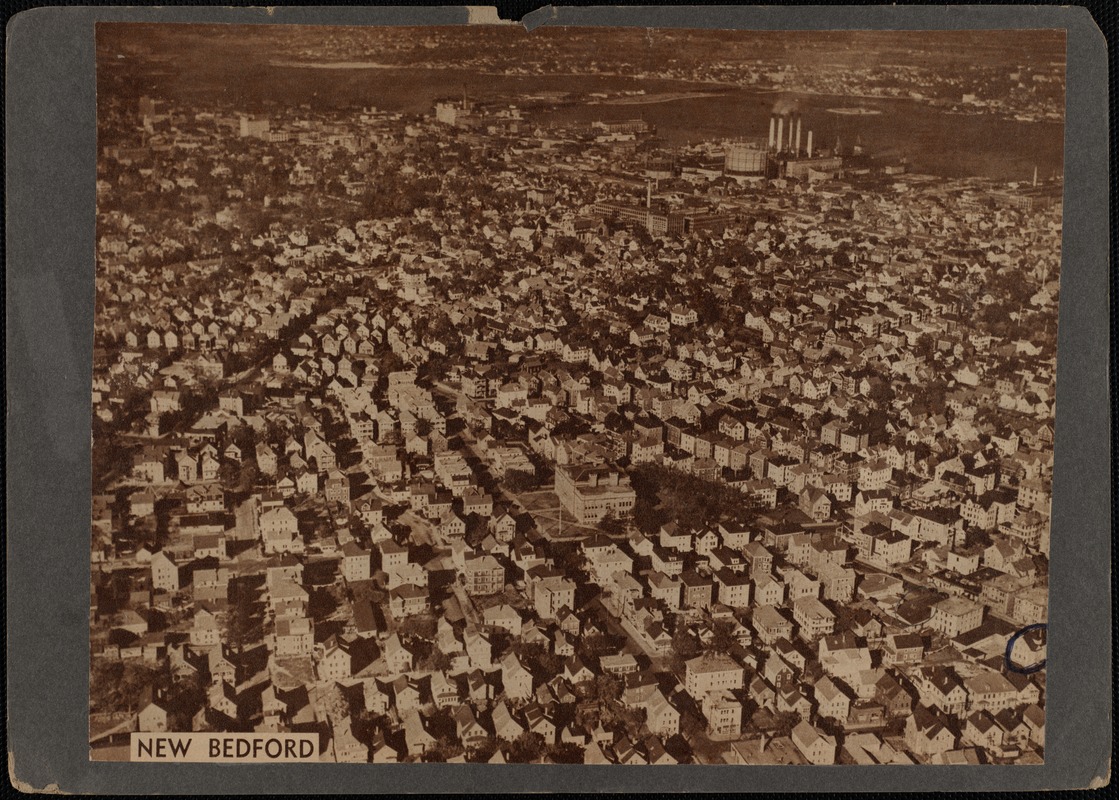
{"type": "Point", "coordinates": [355, 562]}
{"type": "Point", "coordinates": [955, 616]}
{"type": "Point", "coordinates": [724, 714]}
{"type": "Point", "coordinates": [712, 672]}
{"type": "Point", "coordinates": [483, 574]}
{"type": "Point", "coordinates": [990, 691]}
{"type": "Point", "coordinates": [551, 594]}
{"type": "Point", "coordinates": [589, 493]}
{"type": "Point", "coordinates": [813, 617]}
{"type": "Point", "coordinates": [817, 748]}
{"type": "Point", "coordinates": [295, 636]}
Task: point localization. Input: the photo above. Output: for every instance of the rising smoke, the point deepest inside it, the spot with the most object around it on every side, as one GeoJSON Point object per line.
{"type": "Point", "coordinates": [785, 106]}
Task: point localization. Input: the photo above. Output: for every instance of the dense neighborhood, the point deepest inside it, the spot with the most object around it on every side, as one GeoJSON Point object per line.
{"type": "Point", "coordinates": [461, 437]}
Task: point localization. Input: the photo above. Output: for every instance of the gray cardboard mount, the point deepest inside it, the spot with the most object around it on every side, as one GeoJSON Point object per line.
{"type": "Point", "coordinates": [50, 114]}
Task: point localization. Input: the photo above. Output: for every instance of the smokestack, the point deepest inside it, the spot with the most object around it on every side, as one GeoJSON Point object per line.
{"type": "Point", "coordinates": [1035, 174]}
{"type": "Point", "coordinates": [810, 144]}
{"type": "Point", "coordinates": [648, 194]}
{"type": "Point", "coordinates": [772, 131]}
{"type": "Point", "coordinates": [797, 150]}
{"type": "Point", "coordinates": [780, 133]}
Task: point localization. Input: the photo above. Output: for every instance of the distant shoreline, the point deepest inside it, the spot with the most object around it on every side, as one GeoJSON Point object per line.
{"type": "Point", "coordinates": [650, 99]}
{"type": "Point", "coordinates": [710, 88]}
{"type": "Point", "coordinates": [855, 112]}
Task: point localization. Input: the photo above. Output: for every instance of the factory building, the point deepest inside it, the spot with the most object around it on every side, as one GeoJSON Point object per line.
{"type": "Point", "coordinates": [790, 160]}
{"type": "Point", "coordinates": [634, 126]}
{"type": "Point", "coordinates": [660, 219]}
{"type": "Point", "coordinates": [457, 114]}
{"type": "Point", "coordinates": [255, 128]}
{"type": "Point", "coordinates": [813, 169]}
{"type": "Point", "coordinates": [660, 168]}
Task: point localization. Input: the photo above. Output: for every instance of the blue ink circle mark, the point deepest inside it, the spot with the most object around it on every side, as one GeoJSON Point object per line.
{"type": "Point", "coordinates": [1032, 668]}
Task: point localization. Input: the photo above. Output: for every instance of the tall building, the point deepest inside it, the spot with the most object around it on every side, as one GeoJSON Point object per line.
{"type": "Point", "coordinates": [712, 672]}
{"type": "Point", "coordinates": [589, 493]}
{"type": "Point", "coordinates": [257, 128]}
{"type": "Point", "coordinates": [483, 575]}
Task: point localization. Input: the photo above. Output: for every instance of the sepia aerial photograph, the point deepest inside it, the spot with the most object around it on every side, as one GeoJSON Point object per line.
{"type": "Point", "coordinates": [575, 396]}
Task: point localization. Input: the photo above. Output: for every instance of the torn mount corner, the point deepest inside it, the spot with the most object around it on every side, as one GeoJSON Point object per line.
{"type": "Point", "coordinates": [541, 16]}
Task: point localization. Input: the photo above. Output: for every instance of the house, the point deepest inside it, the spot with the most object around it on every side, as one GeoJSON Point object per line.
{"type": "Point", "coordinates": [355, 562]}
{"type": "Point", "coordinates": [381, 752]}
{"type": "Point", "coordinates": [813, 618]}
{"type": "Point", "coordinates": [483, 575]}
{"type": "Point", "coordinates": [343, 658]}
{"type": "Point", "coordinates": [661, 716]}
{"type": "Point", "coordinates": [815, 503]}
{"type": "Point", "coordinates": [452, 526]}
{"type": "Point", "coordinates": [618, 664]}
{"type": "Point", "coordinates": [204, 498]}
{"type": "Point", "coordinates": [444, 690]}
{"type": "Point", "coordinates": [655, 753]}
{"type": "Point", "coordinates": [831, 701]}
{"type": "Point", "coordinates": [165, 573]}
{"type": "Point", "coordinates": [892, 696]}
{"type": "Point", "coordinates": [266, 459]}
{"type": "Point", "coordinates": [539, 721]}
{"type": "Point", "coordinates": [790, 700]}
{"type": "Point", "coordinates": [478, 687]}
{"type": "Point", "coordinates": [1034, 718]}
{"type": "Point", "coordinates": [478, 649]}
{"type": "Point", "coordinates": [348, 749]}
{"type": "Point", "coordinates": [941, 688]}
{"type": "Point", "coordinates": [762, 693]}
{"type": "Point", "coordinates": [710, 672]}
{"type": "Point", "coordinates": [723, 711]}
{"type": "Point", "coordinates": [294, 636]}
{"type": "Point", "coordinates": [416, 738]}
{"type": "Point", "coordinates": [406, 694]}
{"type": "Point", "coordinates": [768, 591]}
{"type": "Point", "coordinates": [205, 630]}
{"type": "Point", "coordinates": [505, 726]}
{"type": "Point", "coordinates": [287, 598]}
{"type": "Point", "coordinates": [626, 753]}
{"type": "Point", "coordinates": [575, 671]}
{"type": "Point", "coordinates": [224, 699]}
{"type": "Point", "coordinates": [771, 625]}
{"type": "Point", "coordinates": [563, 645]}
{"type": "Point", "coordinates": [470, 731]}
{"type": "Point", "coordinates": [407, 600]}
{"type": "Point", "coordinates": [336, 488]}
{"type": "Point", "coordinates": [369, 509]}
{"type": "Point", "coordinates": [698, 590]}
{"type": "Point", "coordinates": [397, 656]}
{"type": "Point", "coordinates": [956, 615]}
{"type": "Point", "coordinates": [843, 655]}
{"type": "Point", "coordinates": [903, 648]}
{"type": "Point", "coordinates": [503, 616]}
{"type": "Point", "coordinates": [516, 680]}
{"type": "Point", "coordinates": [153, 717]}
{"type": "Point", "coordinates": [926, 735]}
{"type": "Point", "coordinates": [279, 531]}
{"type": "Point", "coordinates": [551, 594]}
{"type": "Point", "coordinates": [990, 691]}
{"type": "Point", "coordinates": [732, 588]}
{"type": "Point", "coordinates": [817, 748]}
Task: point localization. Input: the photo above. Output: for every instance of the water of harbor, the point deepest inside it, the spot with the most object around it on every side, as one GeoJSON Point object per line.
{"type": "Point", "coordinates": [934, 140]}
